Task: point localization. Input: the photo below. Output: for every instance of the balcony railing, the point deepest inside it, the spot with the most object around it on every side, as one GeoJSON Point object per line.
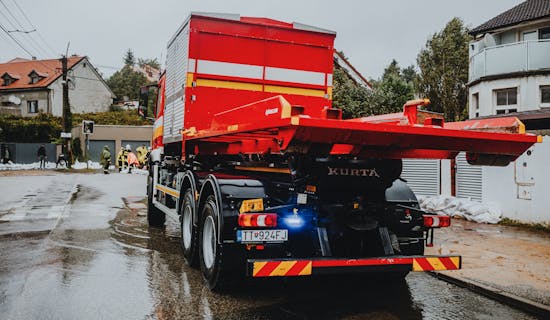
{"type": "Point", "coordinates": [508, 58]}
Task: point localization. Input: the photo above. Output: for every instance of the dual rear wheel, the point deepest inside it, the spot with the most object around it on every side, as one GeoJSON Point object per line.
{"type": "Point", "coordinates": [199, 239]}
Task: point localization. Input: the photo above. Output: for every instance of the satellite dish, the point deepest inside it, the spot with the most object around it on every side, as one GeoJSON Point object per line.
{"type": "Point", "coordinates": [15, 100]}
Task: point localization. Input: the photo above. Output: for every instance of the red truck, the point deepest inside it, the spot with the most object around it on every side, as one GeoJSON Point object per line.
{"type": "Point", "coordinates": [266, 178]}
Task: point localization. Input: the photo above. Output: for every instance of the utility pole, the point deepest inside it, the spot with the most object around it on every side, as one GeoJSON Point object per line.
{"type": "Point", "coordinates": [67, 117]}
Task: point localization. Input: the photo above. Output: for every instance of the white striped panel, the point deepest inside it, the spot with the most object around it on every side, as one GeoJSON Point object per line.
{"type": "Point", "coordinates": [297, 76]}
{"type": "Point", "coordinates": [229, 69]}
{"type": "Point", "coordinates": [329, 79]}
{"type": "Point", "coordinates": [191, 65]}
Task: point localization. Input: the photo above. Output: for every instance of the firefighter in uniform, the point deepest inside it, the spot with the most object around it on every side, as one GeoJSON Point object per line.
{"type": "Point", "coordinates": [105, 159]}
{"type": "Point", "coordinates": [142, 155]}
{"type": "Point", "coordinates": [122, 159]}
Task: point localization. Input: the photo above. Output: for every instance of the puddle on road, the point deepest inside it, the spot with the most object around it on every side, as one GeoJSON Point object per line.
{"type": "Point", "coordinates": [178, 291]}
{"type": "Point", "coordinates": [131, 271]}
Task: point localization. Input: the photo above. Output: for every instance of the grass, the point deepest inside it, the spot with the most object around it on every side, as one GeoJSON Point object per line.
{"type": "Point", "coordinates": [539, 227]}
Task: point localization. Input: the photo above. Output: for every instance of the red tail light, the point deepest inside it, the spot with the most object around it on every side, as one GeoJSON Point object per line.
{"type": "Point", "coordinates": [436, 221]}
{"type": "Point", "coordinates": [258, 220]}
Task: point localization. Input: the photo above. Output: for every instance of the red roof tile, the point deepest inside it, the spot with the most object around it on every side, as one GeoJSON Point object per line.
{"type": "Point", "coordinates": [50, 69]}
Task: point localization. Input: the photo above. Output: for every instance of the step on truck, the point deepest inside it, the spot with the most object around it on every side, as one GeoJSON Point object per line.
{"type": "Point", "coordinates": [264, 176]}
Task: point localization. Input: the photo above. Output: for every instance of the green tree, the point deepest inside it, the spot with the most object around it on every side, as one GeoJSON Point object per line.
{"type": "Point", "coordinates": [409, 74]}
{"type": "Point", "coordinates": [388, 94]}
{"type": "Point", "coordinates": [129, 59]}
{"type": "Point", "coordinates": [443, 67]}
{"type": "Point", "coordinates": [349, 96]}
{"type": "Point", "coordinates": [150, 62]}
{"type": "Point", "coordinates": [126, 83]}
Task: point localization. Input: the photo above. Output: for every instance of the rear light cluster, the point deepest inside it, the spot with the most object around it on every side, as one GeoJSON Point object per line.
{"type": "Point", "coordinates": [258, 220]}
{"type": "Point", "coordinates": [436, 221]}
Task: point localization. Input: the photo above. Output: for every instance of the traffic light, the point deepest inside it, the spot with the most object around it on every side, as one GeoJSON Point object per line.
{"type": "Point", "coordinates": [87, 127]}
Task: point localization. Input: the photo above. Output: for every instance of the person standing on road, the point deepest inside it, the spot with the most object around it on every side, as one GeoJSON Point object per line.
{"type": "Point", "coordinates": [5, 154]}
{"type": "Point", "coordinates": [41, 154]}
{"type": "Point", "coordinates": [122, 159]}
{"type": "Point", "coordinates": [105, 159]}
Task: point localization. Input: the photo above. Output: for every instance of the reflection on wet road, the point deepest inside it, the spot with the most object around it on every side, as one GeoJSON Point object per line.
{"type": "Point", "coordinates": [103, 262]}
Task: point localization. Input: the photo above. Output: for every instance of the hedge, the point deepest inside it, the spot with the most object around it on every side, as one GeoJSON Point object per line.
{"type": "Point", "coordinates": [47, 128]}
{"type": "Point", "coordinates": [42, 128]}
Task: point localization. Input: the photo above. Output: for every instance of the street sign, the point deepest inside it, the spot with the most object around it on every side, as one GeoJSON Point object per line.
{"type": "Point", "coordinates": [87, 127]}
{"type": "Point", "coordinates": [66, 135]}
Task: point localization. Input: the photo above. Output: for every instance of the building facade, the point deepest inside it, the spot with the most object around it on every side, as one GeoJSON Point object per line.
{"type": "Point", "coordinates": [510, 61]}
{"type": "Point", "coordinates": [510, 76]}
{"type": "Point", "coordinates": [28, 87]}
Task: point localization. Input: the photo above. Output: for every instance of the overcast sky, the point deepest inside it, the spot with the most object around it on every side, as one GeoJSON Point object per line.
{"type": "Point", "coordinates": [371, 33]}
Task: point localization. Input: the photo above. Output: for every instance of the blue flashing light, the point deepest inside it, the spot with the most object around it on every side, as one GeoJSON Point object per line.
{"type": "Point", "coordinates": [294, 221]}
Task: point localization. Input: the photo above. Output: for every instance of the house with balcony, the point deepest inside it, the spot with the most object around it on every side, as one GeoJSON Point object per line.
{"type": "Point", "coordinates": [509, 75]}
{"type": "Point", "coordinates": [510, 61]}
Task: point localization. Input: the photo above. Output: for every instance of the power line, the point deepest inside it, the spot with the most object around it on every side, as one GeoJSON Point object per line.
{"type": "Point", "coordinates": [15, 40]}
{"type": "Point", "coordinates": [32, 25]}
{"type": "Point", "coordinates": [13, 26]}
{"type": "Point", "coordinates": [33, 42]}
{"type": "Point", "coordinates": [21, 31]}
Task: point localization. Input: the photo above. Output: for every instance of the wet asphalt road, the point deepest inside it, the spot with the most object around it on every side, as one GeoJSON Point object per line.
{"type": "Point", "coordinates": [90, 255]}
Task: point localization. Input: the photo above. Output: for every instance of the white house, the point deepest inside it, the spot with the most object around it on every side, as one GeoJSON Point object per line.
{"type": "Point", "coordinates": [510, 61]}
{"type": "Point", "coordinates": [510, 76]}
{"type": "Point", "coordinates": [28, 87]}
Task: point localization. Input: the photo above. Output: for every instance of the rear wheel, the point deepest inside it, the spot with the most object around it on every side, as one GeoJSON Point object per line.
{"type": "Point", "coordinates": [210, 251]}
{"type": "Point", "coordinates": [189, 233]}
{"type": "Point", "coordinates": [155, 217]}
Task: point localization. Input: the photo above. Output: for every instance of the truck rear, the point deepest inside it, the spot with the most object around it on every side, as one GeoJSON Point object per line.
{"type": "Point", "coordinates": [266, 179]}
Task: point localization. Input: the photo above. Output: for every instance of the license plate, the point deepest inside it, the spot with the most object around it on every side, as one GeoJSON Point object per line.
{"type": "Point", "coordinates": [278, 235]}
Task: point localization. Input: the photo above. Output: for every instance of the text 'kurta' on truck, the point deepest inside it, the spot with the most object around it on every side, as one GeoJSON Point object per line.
{"type": "Point", "coordinates": [266, 178]}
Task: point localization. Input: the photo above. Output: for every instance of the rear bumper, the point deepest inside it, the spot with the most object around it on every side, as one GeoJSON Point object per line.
{"type": "Point", "coordinates": [320, 266]}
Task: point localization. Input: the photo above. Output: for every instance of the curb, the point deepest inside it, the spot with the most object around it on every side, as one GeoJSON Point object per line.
{"type": "Point", "coordinates": [523, 304]}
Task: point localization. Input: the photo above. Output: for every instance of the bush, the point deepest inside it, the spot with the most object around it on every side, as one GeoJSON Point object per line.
{"type": "Point", "coordinates": [122, 117]}
{"type": "Point", "coordinates": [42, 128]}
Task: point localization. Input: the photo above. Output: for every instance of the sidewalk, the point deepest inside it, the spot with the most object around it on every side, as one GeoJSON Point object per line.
{"type": "Point", "coordinates": [506, 262]}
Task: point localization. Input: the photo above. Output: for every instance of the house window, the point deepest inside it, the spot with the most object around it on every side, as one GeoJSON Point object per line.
{"type": "Point", "coordinates": [34, 79]}
{"type": "Point", "coordinates": [7, 81]}
{"type": "Point", "coordinates": [505, 111]}
{"type": "Point", "coordinates": [544, 33]}
{"type": "Point", "coordinates": [545, 94]}
{"type": "Point", "coordinates": [32, 106]}
{"type": "Point", "coordinates": [475, 101]}
{"type": "Point", "coordinates": [530, 35]}
{"type": "Point", "coordinates": [507, 97]}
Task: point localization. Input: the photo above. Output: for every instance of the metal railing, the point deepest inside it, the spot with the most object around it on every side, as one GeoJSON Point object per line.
{"type": "Point", "coordinates": [508, 58]}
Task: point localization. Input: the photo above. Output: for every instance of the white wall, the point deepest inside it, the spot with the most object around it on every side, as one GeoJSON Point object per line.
{"type": "Point", "coordinates": [522, 189]}
{"type": "Point", "coordinates": [528, 94]}
{"type": "Point", "coordinates": [90, 94]}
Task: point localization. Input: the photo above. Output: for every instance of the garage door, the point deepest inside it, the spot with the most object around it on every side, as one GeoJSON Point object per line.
{"type": "Point", "coordinates": [96, 147]}
{"type": "Point", "coordinates": [468, 179]}
{"type": "Point", "coordinates": [422, 175]}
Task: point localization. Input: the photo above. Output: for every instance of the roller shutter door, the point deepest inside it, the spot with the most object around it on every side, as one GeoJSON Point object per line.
{"type": "Point", "coordinates": [96, 147]}
{"type": "Point", "coordinates": [468, 179]}
{"type": "Point", "coordinates": [422, 175]}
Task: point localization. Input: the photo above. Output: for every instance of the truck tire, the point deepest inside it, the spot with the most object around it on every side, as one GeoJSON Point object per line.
{"type": "Point", "coordinates": [210, 252]}
{"type": "Point", "coordinates": [189, 233]}
{"type": "Point", "coordinates": [155, 217]}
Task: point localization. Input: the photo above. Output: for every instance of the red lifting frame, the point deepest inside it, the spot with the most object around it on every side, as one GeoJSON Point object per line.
{"type": "Point", "coordinates": [273, 126]}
